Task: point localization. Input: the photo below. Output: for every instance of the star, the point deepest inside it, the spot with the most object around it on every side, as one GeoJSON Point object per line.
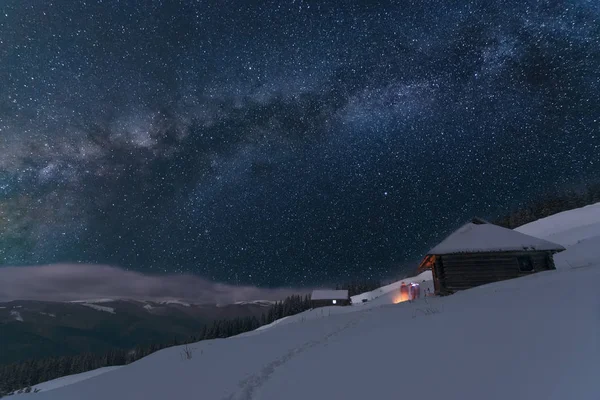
{"type": "Point", "coordinates": [285, 144]}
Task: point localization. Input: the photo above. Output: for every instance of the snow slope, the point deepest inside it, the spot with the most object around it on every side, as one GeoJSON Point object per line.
{"type": "Point", "coordinates": [175, 301]}
{"type": "Point", "coordinates": [518, 339]}
{"type": "Point", "coordinates": [388, 294]}
{"type": "Point", "coordinates": [93, 301]}
{"type": "Point", "coordinates": [265, 303]}
{"type": "Point", "coordinates": [529, 338]}
{"type": "Point", "coordinates": [578, 230]}
{"type": "Point", "coordinates": [69, 380]}
{"type": "Point", "coordinates": [110, 310]}
{"type": "Point", "coordinates": [424, 279]}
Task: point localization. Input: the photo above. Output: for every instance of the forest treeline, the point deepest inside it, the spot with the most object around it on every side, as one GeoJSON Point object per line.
{"type": "Point", "coordinates": [358, 287]}
{"type": "Point", "coordinates": [551, 204]}
{"type": "Point", "coordinates": [23, 375]}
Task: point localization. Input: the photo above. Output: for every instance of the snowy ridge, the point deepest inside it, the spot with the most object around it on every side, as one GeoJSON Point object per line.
{"type": "Point", "coordinates": [313, 355]}
{"type": "Point", "coordinates": [268, 326]}
{"type": "Point", "coordinates": [578, 230]}
{"type": "Point", "coordinates": [179, 302]}
{"type": "Point", "coordinates": [16, 315]}
{"type": "Point", "coordinates": [48, 314]}
{"type": "Point", "coordinates": [93, 301]}
{"type": "Point", "coordinates": [257, 302]}
{"type": "Point", "coordinates": [99, 308]}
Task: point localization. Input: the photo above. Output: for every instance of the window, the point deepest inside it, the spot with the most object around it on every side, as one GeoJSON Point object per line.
{"type": "Point", "coordinates": [525, 264]}
{"type": "Point", "coordinates": [334, 301]}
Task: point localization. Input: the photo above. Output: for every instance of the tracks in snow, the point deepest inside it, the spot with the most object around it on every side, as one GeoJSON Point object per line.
{"type": "Point", "coordinates": [248, 387]}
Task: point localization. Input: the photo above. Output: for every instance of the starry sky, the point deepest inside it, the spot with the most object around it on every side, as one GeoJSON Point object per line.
{"type": "Point", "coordinates": [284, 143]}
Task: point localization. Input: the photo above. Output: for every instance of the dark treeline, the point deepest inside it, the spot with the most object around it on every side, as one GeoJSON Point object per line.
{"type": "Point", "coordinates": [26, 374]}
{"type": "Point", "coordinates": [551, 204]}
{"type": "Point", "coordinates": [358, 287]}
{"type": "Point", "coordinates": [21, 375]}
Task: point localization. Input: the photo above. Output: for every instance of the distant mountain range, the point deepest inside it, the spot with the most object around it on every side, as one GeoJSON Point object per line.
{"type": "Point", "coordinates": [36, 329]}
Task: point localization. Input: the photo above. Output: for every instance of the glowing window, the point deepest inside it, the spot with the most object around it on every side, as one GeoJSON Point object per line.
{"type": "Point", "coordinates": [334, 301]}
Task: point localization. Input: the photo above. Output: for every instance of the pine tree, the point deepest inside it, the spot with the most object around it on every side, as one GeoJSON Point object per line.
{"type": "Point", "coordinates": [26, 374]}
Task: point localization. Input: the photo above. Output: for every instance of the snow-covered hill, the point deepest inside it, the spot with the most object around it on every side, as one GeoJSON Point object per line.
{"type": "Point", "coordinates": [578, 230]}
{"type": "Point", "coordinates": [424, 280]}
{"type": "Point", "coordinates": [71, 379]}
{"type": "Point", "coordinates": [529, 338]}
{"type": "Point", "coordinates": [31, 328]}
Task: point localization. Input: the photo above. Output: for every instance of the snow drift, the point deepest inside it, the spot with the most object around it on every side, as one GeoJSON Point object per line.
{"type": "Point", "coordinates": [578, 230]}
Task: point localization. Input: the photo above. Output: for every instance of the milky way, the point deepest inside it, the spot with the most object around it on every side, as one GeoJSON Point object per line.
{"type": "Point", "coordinates": [284, 143]}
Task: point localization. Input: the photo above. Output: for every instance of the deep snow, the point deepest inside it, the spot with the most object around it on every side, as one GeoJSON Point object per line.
{"type": "Point", "coordinates": [475, 238]}
{"type": "Point", "coordinates": [71, 379]}
{"type": "Point", "coordinates": [578, 230]}
{"type": "Point", "coordinates": [530, 338]}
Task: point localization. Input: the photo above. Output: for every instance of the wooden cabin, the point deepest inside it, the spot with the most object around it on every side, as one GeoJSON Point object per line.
{"type": "Point", "coordinates": [480, 252]}
{"type": "Point", "coordinates": [323, 298]}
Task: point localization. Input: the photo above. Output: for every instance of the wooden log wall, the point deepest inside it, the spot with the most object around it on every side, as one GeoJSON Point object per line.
{"type": "Point", "coordinates": [463, 271]}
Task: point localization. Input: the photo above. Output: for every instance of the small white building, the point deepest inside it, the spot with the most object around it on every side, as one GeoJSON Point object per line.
{"type": "Point", "coordinates": [323, 298]}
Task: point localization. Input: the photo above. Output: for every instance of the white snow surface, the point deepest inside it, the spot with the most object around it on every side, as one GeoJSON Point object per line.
{"type": "Point", "coordinates": [179, 302]}
{"type": "Point", "coordinates": [265, 327]}
{"type": "Point", "coordinates": [578, 230]}
{"type": "Point", "coordinates": [424, 279]}
{"type": "Point", "coordinates": [517, 339]}
{"type": "Point", "coordinates": [99, 308]}
{"type": "Point", "coordinates": [93, 301]}
{"type": "Point", "coordinates": [534, 337]}
{"type": "Point", "coordinates": [69, 380]}
{"type": "Point", "coordinates": [474, 238]}
{"type": "Point", "coordinates": [17, 315]}
{"type": "Point", "coordinates": [257, 302]}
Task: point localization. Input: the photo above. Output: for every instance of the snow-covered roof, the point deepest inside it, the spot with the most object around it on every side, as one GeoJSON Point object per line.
{"type": "Point", "coordinates": [329, 294]}
{"type": "Point", "coordinates": [485, 237]}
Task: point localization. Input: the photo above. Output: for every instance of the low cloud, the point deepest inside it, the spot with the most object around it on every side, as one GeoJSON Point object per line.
{"type": "Point", "coordinates": [66, 282]}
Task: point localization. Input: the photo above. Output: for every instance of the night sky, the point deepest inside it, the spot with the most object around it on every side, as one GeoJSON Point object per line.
{"type": "Point", "coordinates": [288, 143]}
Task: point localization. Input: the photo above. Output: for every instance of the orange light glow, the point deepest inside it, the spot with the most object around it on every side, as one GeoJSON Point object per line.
{"type": "Point", "coordinates": [399, 298]}
{"type": "Point", "coordinates": [407, 292]}
{"type": "Point", "coordinates": [427, 263]}
{"type": "Point", "coordinates": [402, 294]}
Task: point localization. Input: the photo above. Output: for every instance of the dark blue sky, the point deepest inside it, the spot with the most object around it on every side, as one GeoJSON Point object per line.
{"type": "Point", "coordinates": [284, 143]}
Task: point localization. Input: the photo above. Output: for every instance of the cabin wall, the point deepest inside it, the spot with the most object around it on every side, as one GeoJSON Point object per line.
{"type": "Point", "coordinates": [463, 271]}
{"type": "Point", "coordinates": [438, 275]}
{"type": "Point", "coordinates": [327, 303]}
